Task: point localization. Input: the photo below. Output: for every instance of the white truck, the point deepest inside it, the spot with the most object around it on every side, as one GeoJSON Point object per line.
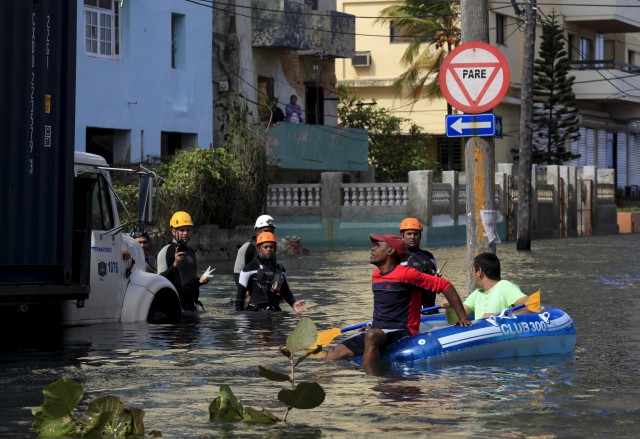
{"type": "Point", "coordinates": [63, 258]}
{"type": "Point", "coordinates": [108, 279]}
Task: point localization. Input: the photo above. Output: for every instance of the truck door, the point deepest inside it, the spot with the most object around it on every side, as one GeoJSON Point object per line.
{"type": "Point", "coordinates": [103, 258]}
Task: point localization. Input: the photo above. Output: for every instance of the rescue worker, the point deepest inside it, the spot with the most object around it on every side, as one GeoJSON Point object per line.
{"type": "Point", "coordinates": [248, 251]}
{"type": "Point", "coordinates": [263, 282]}
{"type": "Point", "coordinates": [421, 260]}
{"type": "Point", "coordinates": [177, 262]}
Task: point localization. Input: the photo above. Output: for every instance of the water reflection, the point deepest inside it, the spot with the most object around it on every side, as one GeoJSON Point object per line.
{"type": "Point", "coordinates": [174, 371]}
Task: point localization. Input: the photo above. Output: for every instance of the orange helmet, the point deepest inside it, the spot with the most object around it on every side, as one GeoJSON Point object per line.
{"type": "Point", "coordinates": [266, 237]}
{"type": "Point", "coordinates": [410, 224]}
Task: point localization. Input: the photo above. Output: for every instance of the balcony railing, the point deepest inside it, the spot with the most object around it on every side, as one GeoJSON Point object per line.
{"type": "Point", "coordinates": [610, 64]}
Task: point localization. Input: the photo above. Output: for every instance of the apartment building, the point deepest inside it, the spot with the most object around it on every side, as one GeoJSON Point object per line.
{"type": "Point", "coordinates": [268, 51]}
{"type": "Point", "coordinates": [143, 78]}
{"type": "Point", "coordinates": [603, 42]}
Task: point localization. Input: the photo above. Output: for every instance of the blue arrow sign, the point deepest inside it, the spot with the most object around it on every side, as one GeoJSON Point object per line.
{"type": "Point", "coordinates": [498, 134]}
{"type": "Point", "coordinates": [467, 125]}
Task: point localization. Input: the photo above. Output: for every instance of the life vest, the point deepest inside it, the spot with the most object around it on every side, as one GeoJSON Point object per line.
{"type": "Point", "coordinates": [265, 290]}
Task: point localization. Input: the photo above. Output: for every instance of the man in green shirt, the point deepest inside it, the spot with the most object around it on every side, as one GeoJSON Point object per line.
{"type": "Point", "coordinates": [493, 294]}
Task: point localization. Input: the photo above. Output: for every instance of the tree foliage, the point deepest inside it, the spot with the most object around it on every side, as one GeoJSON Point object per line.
{"type": "Point", "coordinates": [225, 186]}
{"type": "Point", "coordinates": [433, 30]}
{"type": "Point", "coordinates": [555, 117]}
{"type": "Point", "coordinates": [391, 153]}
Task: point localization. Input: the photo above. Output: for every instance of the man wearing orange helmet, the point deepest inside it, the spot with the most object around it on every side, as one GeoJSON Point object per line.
{"type": "Point", "coordinates": [265, 280]}
{"type": "Point", "coordinates": [177, 262]}
{"type": "Point", "coordinates": [421, 260]}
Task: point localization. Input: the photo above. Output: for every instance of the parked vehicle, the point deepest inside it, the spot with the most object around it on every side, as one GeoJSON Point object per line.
{"type": "Point", "coordinates": [64, 255]}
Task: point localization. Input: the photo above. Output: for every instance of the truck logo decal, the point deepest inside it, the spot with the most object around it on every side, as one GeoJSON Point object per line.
{"type": "Point", "coordinates": [102, 269]}
{"type": "Point", "coordinates": [101, 249]}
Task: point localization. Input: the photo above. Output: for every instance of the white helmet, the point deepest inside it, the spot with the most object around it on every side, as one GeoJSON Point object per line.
{"type": "Point", "coordinates": [265, 221]}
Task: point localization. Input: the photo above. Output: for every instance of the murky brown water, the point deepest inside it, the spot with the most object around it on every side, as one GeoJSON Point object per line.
{"type": "Point", "coordinates": [173, 372]}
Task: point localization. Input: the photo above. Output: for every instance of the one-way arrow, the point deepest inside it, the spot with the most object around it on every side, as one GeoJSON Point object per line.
{"type": "Point", "coordinates": [459, 125]}
{"type": "Point", "coordinates": [464, 125]}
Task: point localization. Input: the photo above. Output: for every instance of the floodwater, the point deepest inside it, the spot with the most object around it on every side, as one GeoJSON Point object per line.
{"type": "Point", "coordinates": [173, 372]}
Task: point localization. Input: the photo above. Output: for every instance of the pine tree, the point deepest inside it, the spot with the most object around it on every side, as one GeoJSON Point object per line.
{"type": "Point", "coordinates": [555, 116]}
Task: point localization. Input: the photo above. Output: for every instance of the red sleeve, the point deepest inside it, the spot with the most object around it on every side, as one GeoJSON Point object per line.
{"type": "Point", "coordinates": [425, 281]}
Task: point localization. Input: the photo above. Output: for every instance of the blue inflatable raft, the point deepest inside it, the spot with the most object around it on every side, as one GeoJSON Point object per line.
{"type": "Point", "coordinates": [548, 332]}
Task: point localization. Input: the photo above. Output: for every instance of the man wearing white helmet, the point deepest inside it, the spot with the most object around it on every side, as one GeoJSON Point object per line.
{"type": "Point", "coordinates": [249, 250]}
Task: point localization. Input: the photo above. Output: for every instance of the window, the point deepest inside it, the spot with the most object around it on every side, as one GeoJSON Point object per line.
{"type": "Point", "coordinates": [265, 99]}
{"type": "Point", "coordinates": [102, 28]}
{"type": "Point", "coordinates": [599, 50]}
{"type": "Point", "coordinates": [572, 47]}
{"type": "Point", "coordinates": [500, 24]}
{"type": "Point", "coordinates": [397, 34]}
{"type": "Point", "coordinates": [450, 153]}
{"type": "Point", "coordinates": [101, 212]}
{"type": "Point", "coordinates": [178, 44]}
{"type": "Point", "coordinates": [585, 52]}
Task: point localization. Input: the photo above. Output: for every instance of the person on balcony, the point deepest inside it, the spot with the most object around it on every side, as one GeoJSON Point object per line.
{"type": "Point", "coordinates": [293, 111]}
{"type": "Point", "coordinates": [421, 260]}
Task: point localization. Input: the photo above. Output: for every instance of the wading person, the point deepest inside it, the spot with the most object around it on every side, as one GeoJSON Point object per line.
{"type": "Point", "coordinates": [396, 302]}
{"type": "Point", "coordinates": [248, 251]}
{"type": "Point", "coordinates": [420, 259]}
{"type": "Point", "coordinates": [177, 262]}
{"type": "Point", "coordinates": [143, 240]}
{"type": "Point", "coordinates": [263, 282]}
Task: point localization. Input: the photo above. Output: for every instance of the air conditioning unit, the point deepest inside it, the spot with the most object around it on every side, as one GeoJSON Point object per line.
{"type": "Point", "coordinates": [361, 59]}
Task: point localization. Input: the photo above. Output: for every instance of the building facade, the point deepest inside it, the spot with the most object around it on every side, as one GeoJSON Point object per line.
{"type": "Point", "coordinates": [265, 52]}
{"type": "Point", "coordinates": [143, 78]}
{"type": "Point", "coordinates": [603, 43]}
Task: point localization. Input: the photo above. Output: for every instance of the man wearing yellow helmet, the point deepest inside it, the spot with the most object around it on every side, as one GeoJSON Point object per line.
{"type": "Point", "coordinates": [263, 282]}
{"type": "Point", "coordinates": [421, 260]}
{"type": "Point", "coordinates": [177, 262]}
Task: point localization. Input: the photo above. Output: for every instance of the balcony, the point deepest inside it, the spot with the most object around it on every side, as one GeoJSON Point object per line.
{"type": "Point", "coordinates": [606, 16]}
{"type": "Point", "coordinates": [318, 147]}
{"type": "Point", "coordinates": [289, 25]}
{"type": "Point", "coordinates": [610, 83]}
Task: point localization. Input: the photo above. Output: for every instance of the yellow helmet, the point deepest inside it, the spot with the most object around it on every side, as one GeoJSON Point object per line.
{"type": "Point", "coordinates": [266, 237]}
{"type": "Point", "coordinates": [180, 219]}
{"type": "Point", "coordinates": [410, 224]}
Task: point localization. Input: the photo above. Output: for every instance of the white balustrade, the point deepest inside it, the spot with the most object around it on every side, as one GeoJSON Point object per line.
{"type": "Point", "coordinates": [293, 195]}
{"type": "Point", "coordinates": [375, 194]}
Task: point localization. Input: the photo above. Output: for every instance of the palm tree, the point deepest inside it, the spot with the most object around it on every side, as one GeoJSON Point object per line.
{"type": "Point", "coordinates": [432, 26]}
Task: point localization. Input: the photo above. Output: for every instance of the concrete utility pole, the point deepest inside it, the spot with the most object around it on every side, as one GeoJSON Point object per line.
{"type": "Point", "coordinates": [479, 151]}
{"type": "Point", "coordinates": [224, 62]}
{"type": "Point", "coordinates": [523, 234]}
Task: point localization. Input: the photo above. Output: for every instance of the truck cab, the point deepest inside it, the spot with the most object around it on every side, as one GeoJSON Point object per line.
{"type": "Point", "coordinates": [108, 281]}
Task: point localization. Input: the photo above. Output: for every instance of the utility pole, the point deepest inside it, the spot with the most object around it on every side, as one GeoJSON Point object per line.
{"type": "Point", "coordinates": [224, 59]}
{"type": "Point", "coordinates": [523, 234]}
{"type": "Point", "coordinates": [479, 151]}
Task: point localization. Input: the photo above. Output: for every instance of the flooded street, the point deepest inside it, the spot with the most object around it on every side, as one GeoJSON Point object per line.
{"type": "Point", "coordinates": [173, 372]}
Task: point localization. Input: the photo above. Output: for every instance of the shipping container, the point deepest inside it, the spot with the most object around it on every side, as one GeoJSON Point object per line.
{"type": "Point", "coordinates": [37, 85]}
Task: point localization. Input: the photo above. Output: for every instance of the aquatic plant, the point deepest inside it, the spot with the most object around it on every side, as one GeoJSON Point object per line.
{"type": "Point", "coordinates": [303, 395]}
{"type": "Point", "coordinates": [105, 416]}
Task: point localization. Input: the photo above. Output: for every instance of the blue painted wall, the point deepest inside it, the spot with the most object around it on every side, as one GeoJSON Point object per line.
{"type": "Point", "coordinates": [140, 91]}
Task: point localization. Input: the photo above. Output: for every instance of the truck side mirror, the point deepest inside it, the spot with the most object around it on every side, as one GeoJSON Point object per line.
{"type": "Point", "coordinates": [145, 206]}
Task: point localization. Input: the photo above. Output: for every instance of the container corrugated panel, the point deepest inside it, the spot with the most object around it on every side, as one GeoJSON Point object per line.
{"type": "Point", "coordinates": [37, 85]}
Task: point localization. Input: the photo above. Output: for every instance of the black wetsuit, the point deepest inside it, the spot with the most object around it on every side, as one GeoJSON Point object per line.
{"type": "Point", "coordinates": [423, 261]}
{"type": "Point", "coordinates": [183, 278]}
{"type": "Point", "coordinates": [266, 282]}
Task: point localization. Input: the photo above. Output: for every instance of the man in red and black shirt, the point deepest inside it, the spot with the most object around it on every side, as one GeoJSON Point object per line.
{"type": "Point", "coordinates": [396, 302]}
